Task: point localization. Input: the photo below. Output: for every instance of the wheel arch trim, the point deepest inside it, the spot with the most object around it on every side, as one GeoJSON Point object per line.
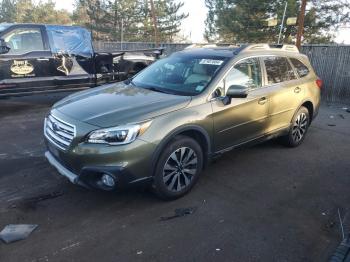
{"type": "Point", "coordinates": [306, 101]}
{"type": "Point", "coordinates": [298, 108]}
{"type": "Point", "coordinates": [173, 134]}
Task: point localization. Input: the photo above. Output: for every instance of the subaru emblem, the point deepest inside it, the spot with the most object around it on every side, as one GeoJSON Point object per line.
{"type": "Point", "coordinates": [55, 127]}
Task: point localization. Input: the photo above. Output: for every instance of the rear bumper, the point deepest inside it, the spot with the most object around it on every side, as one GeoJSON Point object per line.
{"type": "Point", "coordinates": [316, 110]}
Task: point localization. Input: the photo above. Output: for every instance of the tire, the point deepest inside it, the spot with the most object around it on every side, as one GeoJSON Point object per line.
{"type": "Point", "coordinates": [300, 125]}
{"type": "Point", "coordinates": [178, 168]}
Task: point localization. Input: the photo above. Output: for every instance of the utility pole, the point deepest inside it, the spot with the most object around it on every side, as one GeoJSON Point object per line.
{"type": "Point", "coordinates": [284, 16]}
{"type": "Point", "coordinates": [301, 20]}
{"type": "Point", "coordinates": [122, 35]}
{"type": "Point", "coordinates": [155, 26]}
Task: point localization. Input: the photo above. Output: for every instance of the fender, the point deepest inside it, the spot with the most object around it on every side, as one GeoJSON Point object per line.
{"type": "Point", "coordinates": [174, 133]}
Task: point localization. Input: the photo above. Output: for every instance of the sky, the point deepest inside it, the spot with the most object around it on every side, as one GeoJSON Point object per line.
{"type": "Point", "coordinates": [193, 26]}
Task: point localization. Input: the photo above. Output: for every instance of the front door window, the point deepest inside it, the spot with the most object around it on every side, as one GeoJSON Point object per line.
{"type": "Point", "coordinates": [24, 40]}
{"type": "Point", "coordinates": [245, 74]}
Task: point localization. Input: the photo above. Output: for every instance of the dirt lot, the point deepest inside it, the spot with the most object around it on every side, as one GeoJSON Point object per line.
{"type": "Point", "coordinates": [265, 203]}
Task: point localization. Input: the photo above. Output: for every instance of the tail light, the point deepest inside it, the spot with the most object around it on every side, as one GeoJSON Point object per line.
{"type": "Point", "coordinates": [319, 83]}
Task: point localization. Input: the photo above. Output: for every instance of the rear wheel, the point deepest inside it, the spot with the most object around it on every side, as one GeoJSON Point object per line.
{"type": "Point", "coordinates": [178, 168]}
{"type": "Point", "coordinates": [299, 128]}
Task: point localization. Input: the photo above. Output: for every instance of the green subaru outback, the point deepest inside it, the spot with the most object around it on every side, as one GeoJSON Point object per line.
{"type": "Point", "coordinates": [162, 127]}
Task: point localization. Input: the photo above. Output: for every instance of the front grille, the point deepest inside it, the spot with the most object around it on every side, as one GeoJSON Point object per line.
{"type": "Point", "coordinates": [60, 133]}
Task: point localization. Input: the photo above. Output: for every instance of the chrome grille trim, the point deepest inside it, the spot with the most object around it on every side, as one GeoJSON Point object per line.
{"type": "Point", "coordinates": [59, 132]}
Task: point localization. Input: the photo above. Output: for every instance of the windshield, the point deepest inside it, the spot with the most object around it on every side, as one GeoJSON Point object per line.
{"type": "Point", "coordinates": [180, 74]}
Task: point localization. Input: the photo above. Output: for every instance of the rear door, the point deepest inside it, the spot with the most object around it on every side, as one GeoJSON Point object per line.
{"type": "Point", "coordinates": [26, 67]}
{"type": "Point", "coordinates": [285, 93]}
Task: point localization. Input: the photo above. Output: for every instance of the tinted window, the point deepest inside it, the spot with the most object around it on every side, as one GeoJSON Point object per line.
{"type": "Point", "coordinates": [24, 40]}
{"type": "Point", "coordinates": [246, 74]}
{"type": "Point", "coordinates": [278, 70]}
{"type": "Point", "coordinates": [300, 67]}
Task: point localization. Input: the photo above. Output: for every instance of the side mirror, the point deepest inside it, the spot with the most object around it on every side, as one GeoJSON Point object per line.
{"type": "Point", "coordinates": [3, 47]}
{"type": "Point", "coordinates": [235, 91]}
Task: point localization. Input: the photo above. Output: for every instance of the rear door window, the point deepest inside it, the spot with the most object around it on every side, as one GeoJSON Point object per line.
{"type": "Point", "coordinates": [24, 40]}
{"type": "Point", "coordinates": [278, 70]}
{"type": "Point", "coordinates": [300, 67]}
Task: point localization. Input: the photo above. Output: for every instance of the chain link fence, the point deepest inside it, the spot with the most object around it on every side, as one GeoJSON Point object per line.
{"type": "Point", "coordinates": [332, 65]}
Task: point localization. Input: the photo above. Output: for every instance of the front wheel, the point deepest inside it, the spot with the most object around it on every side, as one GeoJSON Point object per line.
{"type": "Point", "coordinates": [299, 128]}
{"type": "Point", "coordinates": [178, 168]}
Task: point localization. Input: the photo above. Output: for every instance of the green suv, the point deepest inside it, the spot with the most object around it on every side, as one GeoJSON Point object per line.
{"type": "Point", "coordinates": [163, 126]}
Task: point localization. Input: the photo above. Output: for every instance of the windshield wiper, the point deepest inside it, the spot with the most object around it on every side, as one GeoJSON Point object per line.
{"type": "Point", "coordinates": [158, 90]}
{"type": "Point", "coordinates": [129, 82]}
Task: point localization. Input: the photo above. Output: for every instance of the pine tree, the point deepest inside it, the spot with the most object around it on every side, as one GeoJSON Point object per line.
{"type": "Point", "coordinates": [126, 16]}
{"type": "Point", "coordinates": [109, 18]}
{"type": "Point", "coordinates": [93, 15]}
{"type": "Point", "coordinates": [7, 11]}
{"type": "Point", "coordinates": [169, 19]}
{"type": "Point", "coordinates": [27, 11]}
{"type": "Point", "coordinates": [245, 21]}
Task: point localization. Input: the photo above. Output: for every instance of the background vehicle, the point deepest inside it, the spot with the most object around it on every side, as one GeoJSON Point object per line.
{"type": "Point", "coordinates": [178, 113]}
{"type": "Point", "coordinates": [48, 58]}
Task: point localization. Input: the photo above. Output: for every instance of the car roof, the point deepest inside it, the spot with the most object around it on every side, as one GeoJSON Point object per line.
{"type": "Point", "coordinates": [7, 25]}
{"type": "Point", "coordinates": [4, 26]}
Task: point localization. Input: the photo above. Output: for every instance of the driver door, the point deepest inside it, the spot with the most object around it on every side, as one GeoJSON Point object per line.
{"type": "Point", "coordinates": [244, 119]}
{"type": "Point", "coordinates": [26, 67]}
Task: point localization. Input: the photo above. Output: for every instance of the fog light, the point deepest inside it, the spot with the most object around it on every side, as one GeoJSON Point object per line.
{"type": "Point", "coordinates": [108, 180]}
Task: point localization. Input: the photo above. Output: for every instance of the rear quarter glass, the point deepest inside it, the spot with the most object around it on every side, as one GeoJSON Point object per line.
{"type": "Point", "coordinates": [300, 67]}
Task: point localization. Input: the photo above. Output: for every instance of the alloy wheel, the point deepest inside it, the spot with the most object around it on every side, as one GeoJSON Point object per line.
{"type": "Point", "coordinates": [180, 169]}
{"type": "Point", "coordinates": [299, 127]}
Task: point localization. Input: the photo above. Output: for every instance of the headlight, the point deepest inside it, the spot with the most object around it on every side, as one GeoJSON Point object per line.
{"type": "Point", "coordinates": [119, 135]}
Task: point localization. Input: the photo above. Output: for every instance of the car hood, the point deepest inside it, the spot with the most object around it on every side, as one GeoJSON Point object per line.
{"type": "Point", "coordinates": [119, 103]}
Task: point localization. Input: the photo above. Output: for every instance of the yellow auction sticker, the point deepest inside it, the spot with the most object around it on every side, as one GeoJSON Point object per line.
{"type": "Point", "coordinates": [22, 67]}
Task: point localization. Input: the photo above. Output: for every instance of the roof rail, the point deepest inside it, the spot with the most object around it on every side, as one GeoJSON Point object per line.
{"type": "Point", "coordinates": [259, 47]}
{"type": "Point", "coordinates": [291, 48]}
{"type": "Point", "coordinates": [212, 46]}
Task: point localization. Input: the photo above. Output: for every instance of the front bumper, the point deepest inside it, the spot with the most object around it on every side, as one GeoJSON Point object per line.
{"type": "Point", "coordinates": [61, 169]}
{"type": "Point", "coordinates": [90, 176]}
{"type": "Point", "coordinates": [85, 164]}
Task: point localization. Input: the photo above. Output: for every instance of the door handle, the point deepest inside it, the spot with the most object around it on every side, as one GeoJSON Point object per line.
{"type": "Point", "coordinates": [297, 89]}
{"type": "Point", "coordinates": [42, 59]}
{"type": "Point", "coordinates": [262, 101]}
